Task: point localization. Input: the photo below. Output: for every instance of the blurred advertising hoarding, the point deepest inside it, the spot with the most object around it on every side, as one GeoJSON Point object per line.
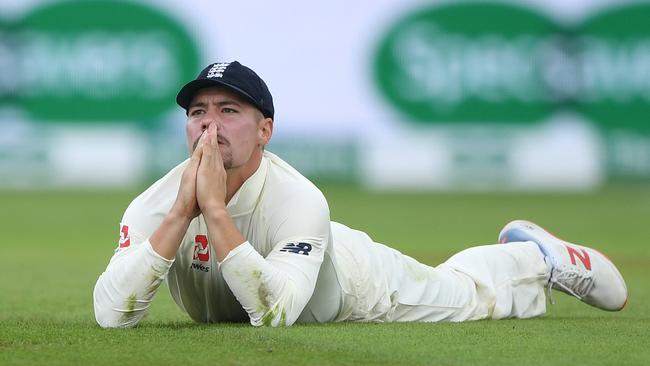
{"type": "Point", "coordinates": [392, 94]}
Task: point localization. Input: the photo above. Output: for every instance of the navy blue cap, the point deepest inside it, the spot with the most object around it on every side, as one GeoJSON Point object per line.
{"type": "Point", "coordinates": [235, 76]}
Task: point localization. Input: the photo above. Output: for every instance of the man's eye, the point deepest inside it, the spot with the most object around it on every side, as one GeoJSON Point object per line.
{"type": "Point", "coordinates": [229, 110]}
{"type": "Point", "coordinates": [197, 112]}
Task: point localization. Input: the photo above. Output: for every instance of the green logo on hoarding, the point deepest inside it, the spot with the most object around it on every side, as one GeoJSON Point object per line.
{"type": "Point", "coordinates": [614, 64]}
{"type": "Point", "coordinates": [470, 62]}
{"type": "Point", "coordinates": [100, 61]}
{"type": "Point", "coordinates": [485, 62]}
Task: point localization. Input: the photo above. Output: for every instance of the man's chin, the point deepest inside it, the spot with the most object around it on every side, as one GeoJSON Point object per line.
{"type": "Point", "coordinates": [227, 162]}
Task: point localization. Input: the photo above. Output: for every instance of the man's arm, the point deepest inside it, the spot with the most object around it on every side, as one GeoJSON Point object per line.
{"type": "Point", "coordinates": [211, 196]}
{"type": "Point", "coordinates": [275, 290]}
{"type": "Point", "coordinates": [124, 291]}
{"type": "Point", "coordinates": [167, 238]}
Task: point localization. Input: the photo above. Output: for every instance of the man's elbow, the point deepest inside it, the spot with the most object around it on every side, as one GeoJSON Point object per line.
{"type": "Point", "coordinates": [269, 320]}
{"type": "Point", "coordinates": [105, 317]}
{"type": "Point", "coordinates": [108, 316]}
{"type": "Point", "coordinates": [105, 321]}
{"type": "Point", "coordinates": [277, 316]}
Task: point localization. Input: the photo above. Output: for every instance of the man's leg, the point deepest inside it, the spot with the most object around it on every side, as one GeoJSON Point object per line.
{"type": "Point", "coordinates": [493, 281]}
{"type": "Point", "coordinates": [509, 280]}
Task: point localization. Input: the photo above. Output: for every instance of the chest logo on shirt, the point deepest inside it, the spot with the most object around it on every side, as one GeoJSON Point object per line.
{"type": "Point", "coordinates": [125, 239]}
{"type": "Point", "coordinates": [300, 248]}
{"type": "Point", "coordinates": [201, 248]}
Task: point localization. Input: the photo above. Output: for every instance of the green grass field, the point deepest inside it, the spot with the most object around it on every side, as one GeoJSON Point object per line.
{"type": "Point", "coordinates": [54, 245]}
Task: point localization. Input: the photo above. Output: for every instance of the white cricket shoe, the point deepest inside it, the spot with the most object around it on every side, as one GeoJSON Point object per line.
{"type": "Point", "coordinates": [576, 270]}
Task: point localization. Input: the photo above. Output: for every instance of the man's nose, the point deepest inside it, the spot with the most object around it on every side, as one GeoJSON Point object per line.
{"type": "Point", "coordinates": [208, 120]}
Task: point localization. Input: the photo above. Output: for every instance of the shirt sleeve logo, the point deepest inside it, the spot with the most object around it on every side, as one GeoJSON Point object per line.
{"type": "Point", "coordinates": [201, 248]}
{"type": "Point", "coordinates": [300, 248]}
{"type": "Point", "coordinates": [125, 239]}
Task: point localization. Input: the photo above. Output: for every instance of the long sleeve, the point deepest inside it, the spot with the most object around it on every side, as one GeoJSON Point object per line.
{"type": "Point", "coordinates": [275, 290]}
{"type": "Point", "coordinates": [124, 291]}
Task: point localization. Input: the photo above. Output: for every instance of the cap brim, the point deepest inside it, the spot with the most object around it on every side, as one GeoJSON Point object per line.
{"type": "Point", "coordinates": [187, 92]}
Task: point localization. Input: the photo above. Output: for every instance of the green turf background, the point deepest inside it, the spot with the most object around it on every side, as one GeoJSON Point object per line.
{"type": "Point", "coordinates": [55, 244]}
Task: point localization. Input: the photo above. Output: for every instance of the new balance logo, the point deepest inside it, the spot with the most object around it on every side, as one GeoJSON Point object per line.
{"type": "Point", "coordinates": [582, 255]}
{"type": "Point", "coordinates": [300, 248]}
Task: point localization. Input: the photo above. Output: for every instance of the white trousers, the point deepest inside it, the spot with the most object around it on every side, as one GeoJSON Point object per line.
{"type": "Point", "coordinates": [485, 282]}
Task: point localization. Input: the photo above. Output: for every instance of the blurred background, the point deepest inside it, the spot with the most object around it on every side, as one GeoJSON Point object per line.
{"type": "Point", "coordinates": [387, 95]}
{"type": "Point", "coordinates": [427, 124]}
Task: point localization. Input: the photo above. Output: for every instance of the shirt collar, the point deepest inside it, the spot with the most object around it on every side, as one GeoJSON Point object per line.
{"type": "Point", "coordinates": [245, 199]}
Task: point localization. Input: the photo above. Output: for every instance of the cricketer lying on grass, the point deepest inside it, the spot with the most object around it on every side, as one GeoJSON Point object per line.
{"type": "Point", "coordinates": [242, 236]}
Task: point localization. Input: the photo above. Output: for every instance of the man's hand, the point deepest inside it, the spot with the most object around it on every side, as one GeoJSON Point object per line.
{"type": "Point", "coordinates": [186, 205]}
{"type": "Point", "coordinates": [211, 196]}
{"type": "Point", "coordinates": [168, 237]}
{"type": "Point", "coordinates": [211, 175]}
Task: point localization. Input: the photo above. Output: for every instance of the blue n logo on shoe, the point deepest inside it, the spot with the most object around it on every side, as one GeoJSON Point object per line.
{"type": "Point", "coordinates": [300, 248]}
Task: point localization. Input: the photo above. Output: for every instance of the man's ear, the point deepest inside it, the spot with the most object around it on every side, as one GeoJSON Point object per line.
{"type": "Point", "coordinates": [265, 131]}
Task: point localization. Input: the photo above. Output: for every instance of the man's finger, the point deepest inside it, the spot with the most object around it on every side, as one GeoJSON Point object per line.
{"type": "Point", "coordinates": [213, 136]}
{"type": "Point", "coordinates": [215, 143]}
{"type": "Point", "coordinates": [203, 138]}
{"type": "Point", "coordinates": [207, 155]}
{"type": "Point", "coordinates": [198, 151]}
{"type": "Point", "coordinates": [210, 144]}
{"type": "Point", "coordinates": [213, 146]}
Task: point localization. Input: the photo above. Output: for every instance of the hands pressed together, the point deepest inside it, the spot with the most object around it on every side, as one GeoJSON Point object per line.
{"type": "Point", "coordinates": [203, 184]}
{"type": "Point", "coordinates": [202, 190]}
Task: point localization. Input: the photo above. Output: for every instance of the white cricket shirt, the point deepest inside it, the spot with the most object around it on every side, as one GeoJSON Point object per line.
{"type": "Point", "coordinates": [283, 273]}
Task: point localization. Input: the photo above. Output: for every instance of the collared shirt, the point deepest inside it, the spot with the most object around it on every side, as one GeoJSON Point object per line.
{"type": "Point", "coordinates": [283, 273]}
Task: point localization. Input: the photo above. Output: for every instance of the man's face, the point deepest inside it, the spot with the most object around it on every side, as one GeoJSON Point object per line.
{"type": "Point", "coordinates": [242, 130]}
